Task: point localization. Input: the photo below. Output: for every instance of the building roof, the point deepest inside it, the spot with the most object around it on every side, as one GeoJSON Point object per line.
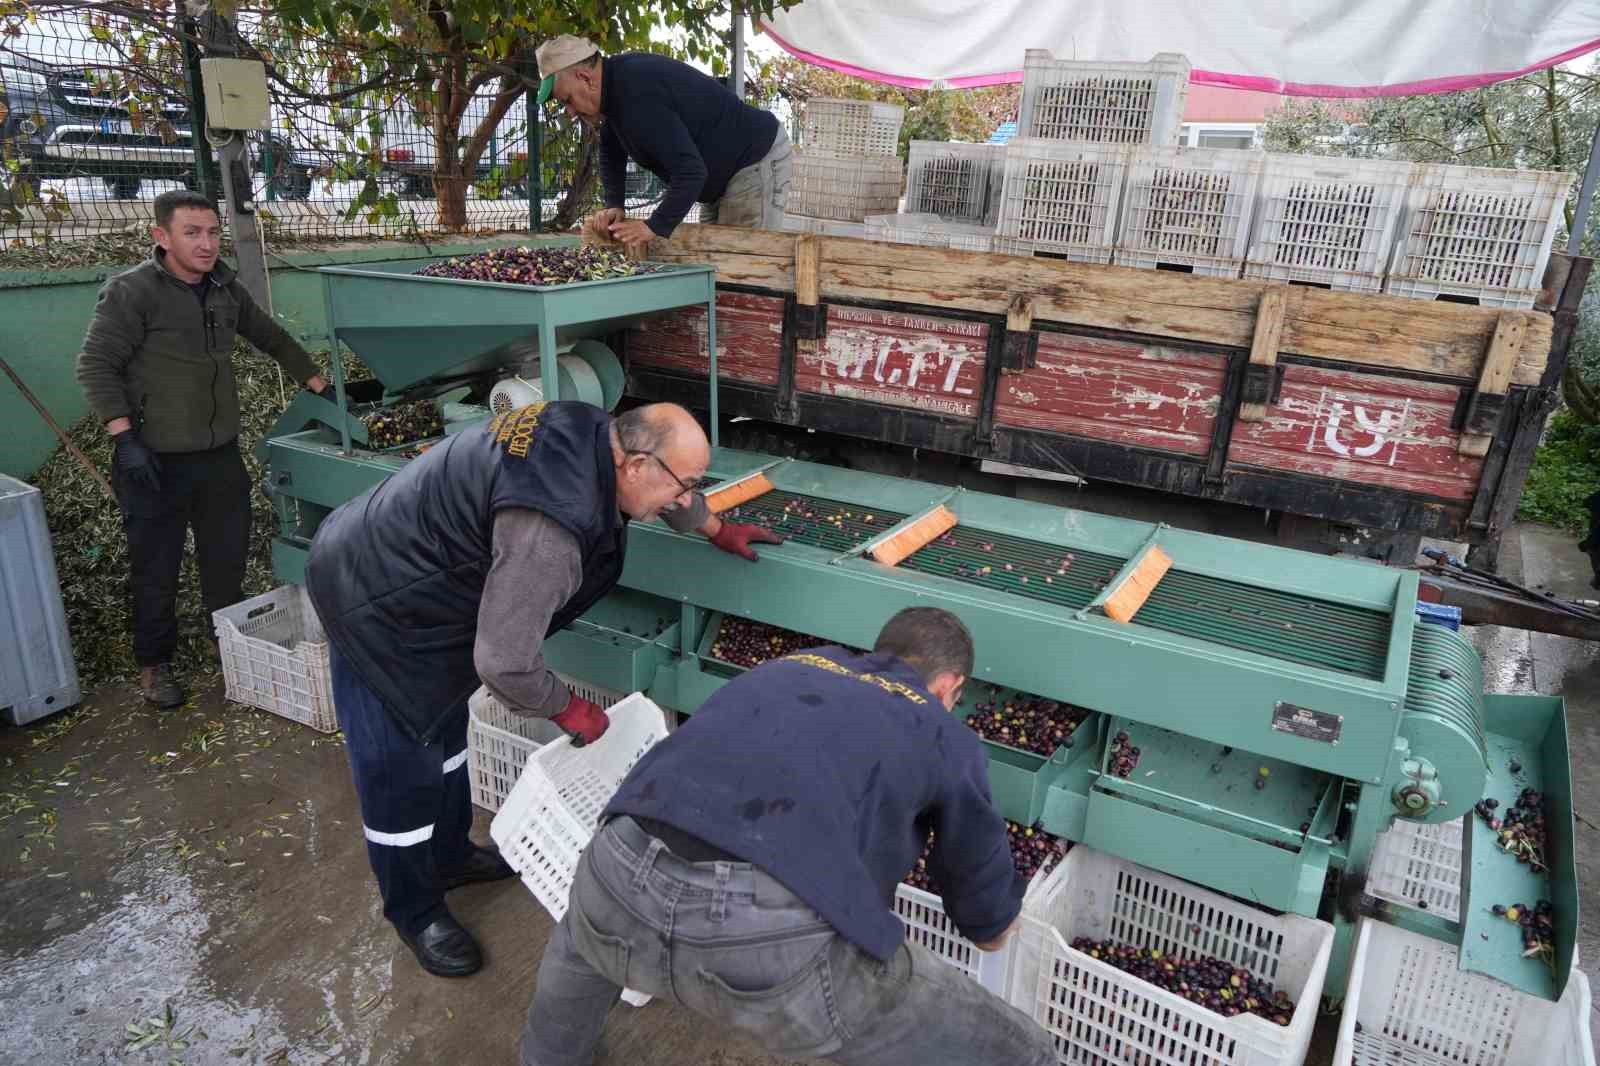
{"type": "Point", "coordinates": [1213, 103]}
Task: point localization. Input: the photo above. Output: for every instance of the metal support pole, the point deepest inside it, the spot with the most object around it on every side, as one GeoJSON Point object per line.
{"type": "Point", "coordinates": [221, 39]}
{"type": "Point", "coordinates": [1580, 217]}
{"type": "Point", "coordinates": [206, 180]}
{"type": "Point", "coordinates": [535, 160]}
{"type": "Point", "coordinates": [738, 52]}
{"type": "Point", "coordinates": [711, 355]}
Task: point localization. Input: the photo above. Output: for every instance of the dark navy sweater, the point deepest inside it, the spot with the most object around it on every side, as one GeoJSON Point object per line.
{"type": "Point", "coordinates": [684, 127]}
{"type": "Point", "coordinates": [826, 770]}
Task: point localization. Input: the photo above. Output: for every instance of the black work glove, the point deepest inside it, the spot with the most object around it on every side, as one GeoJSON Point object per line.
{"type": "Point", "coordinates": [137, 461]}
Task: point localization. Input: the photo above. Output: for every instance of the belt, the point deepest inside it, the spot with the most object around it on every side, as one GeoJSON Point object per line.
{"type": "Point", "coordinates": [685, 846]}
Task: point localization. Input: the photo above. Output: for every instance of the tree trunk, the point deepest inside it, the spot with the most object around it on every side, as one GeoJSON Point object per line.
{"type": "Point", "coordinates": [450, 189]}
{"type": "Point", "coordinates": [584, 176]}
{"type": "Point", "coordinates": [1579, 397]}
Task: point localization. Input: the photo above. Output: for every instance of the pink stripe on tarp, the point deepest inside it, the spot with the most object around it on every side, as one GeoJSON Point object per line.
{"type": "Point", "coordinates": [1258, 83]}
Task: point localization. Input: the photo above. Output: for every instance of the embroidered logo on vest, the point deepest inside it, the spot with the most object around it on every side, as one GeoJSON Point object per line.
{"type": "Point", "coordinates": [514, 430]}
{"type": "Point", "coordinates": [885, 683]}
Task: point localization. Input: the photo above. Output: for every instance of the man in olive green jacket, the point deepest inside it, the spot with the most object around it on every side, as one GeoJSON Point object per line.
{"type": "Point", "coordinates": [157, 368]}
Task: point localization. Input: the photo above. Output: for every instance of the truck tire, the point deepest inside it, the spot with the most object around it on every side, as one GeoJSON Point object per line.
{"type": "Point", "coordinates": [291, 182]}
{"type": "Point", "coordinates": [123, 187]}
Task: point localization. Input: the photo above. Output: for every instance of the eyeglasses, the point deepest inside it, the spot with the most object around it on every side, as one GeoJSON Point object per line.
{"type": "Point", "coordinates": [686, 486]}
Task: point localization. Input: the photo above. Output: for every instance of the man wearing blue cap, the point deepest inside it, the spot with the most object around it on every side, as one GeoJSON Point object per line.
{"type": "Point", "coordinates": [686, 128]}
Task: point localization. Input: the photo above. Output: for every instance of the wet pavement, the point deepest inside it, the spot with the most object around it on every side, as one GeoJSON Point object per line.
{"type": "Point", "coordinates": [192, 887]}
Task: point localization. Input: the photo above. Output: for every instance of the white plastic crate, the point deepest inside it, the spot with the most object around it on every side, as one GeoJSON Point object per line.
{"type": "Point", "coordinates": [853, 127]}
{"type": "Point", "coordinates": [1477, 234]}
{"type": "Point", "coordinates": [1414, 1007]}
{"type": "Point", "coordinates": [1108, 103]}
{"type": "Point", "coordinates": [1415, 864]}
{"type": "Point", "coordinates": [929, 231]}
{"type": "Point", "coordinates": [499, 743]}
{"type": "Point", "coordinates": [827, 226]}
{"type": "Point", "coordinates": [1061, 199]}
{"type": "Point", "coordinates": [1189, 207]}
{"type": "Point", "coordinates": [951, 180]}
{"type": "Point", "coordinates": [1324, 221]}
{"type": "Point", "coordinates": [553, 810]}
{"type": "Point", "coordinates": [275, 657]}
{"type": "Point", "coordinates": [927, 924]}
{"type": "Point", "coordinates": [844, 188]}
{"type": "Point", "coordinates": [1100, 1015]}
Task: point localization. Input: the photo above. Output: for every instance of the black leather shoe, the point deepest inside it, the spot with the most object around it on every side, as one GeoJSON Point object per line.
{"type": "Point", "coordinates": [158, 685]}
{"type": "Point", "coordinates": [483, 864]}
{"type": "Point", "coordinates": [445, 949]}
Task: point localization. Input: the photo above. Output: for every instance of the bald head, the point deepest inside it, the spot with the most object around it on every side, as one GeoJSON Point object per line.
{"type": "Point", "coordinates": [660, 452]}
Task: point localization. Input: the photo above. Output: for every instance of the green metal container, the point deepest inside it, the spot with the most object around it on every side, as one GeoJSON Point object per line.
{"type": "Point", "coordinates": [1019, 780]}
{"type": "Point", "coordinates": [413, 330]}
{"type": "Point", "coordinates": [618, 643]}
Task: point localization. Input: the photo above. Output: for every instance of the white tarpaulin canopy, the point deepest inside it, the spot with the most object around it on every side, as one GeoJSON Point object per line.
{"type": "Point", "coordinates": [1340, 48]}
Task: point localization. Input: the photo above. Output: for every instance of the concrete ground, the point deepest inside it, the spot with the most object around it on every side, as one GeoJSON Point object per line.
{"type": "Point", "coordinates": [192, 887]}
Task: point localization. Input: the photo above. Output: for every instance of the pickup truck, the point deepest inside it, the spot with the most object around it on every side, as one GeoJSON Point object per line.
{"type": "Point", "coordinates": [59, 123]}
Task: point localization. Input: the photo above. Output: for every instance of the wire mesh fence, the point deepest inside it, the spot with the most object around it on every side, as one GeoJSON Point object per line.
{"type": "Point", "coordinates": [97, 117]}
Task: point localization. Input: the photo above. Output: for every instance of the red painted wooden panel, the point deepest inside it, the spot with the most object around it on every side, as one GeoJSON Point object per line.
{"type": "Point", "coordinates": [931, 364]}
{"type": "Point", "coordinates": [1120, 391]}
{"type": "Point", "coordinates": [749, 339]}
{"type": "Point", "coordinates": [1367, 428]}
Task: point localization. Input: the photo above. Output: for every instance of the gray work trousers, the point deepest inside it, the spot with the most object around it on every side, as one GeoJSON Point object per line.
{"type": "Point", "coordinates": [728, 942]}
{"type": "Point", "coordinates": [756, 196]}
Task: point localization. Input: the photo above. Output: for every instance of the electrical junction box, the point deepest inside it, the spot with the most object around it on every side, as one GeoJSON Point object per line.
{"type": "Point", "coordinates": [236, 94]}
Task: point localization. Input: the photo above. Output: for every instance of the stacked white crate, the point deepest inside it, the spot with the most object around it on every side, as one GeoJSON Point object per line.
{"type": "Point", "coordinates": [1105, 103]}
{"type": "Point", "coordinates": [1189, 208]}
{"type": "Point", "coordinates": [847, 165]}
{"type": "Point", "coordinates": [930, 231]}
{"type": "Point", "coordinates": [1060, 199]}
{"type": "Point", "coordinates": [1327, 222]}
{"type": "Point", "coordinates": [1477, 234]}
{"type": "Point", "coordinates": [1079, 122]}
{"type": "Point", "coordinates": [952, 180]}
{"type": "Point", "coordinates": [827, 226]}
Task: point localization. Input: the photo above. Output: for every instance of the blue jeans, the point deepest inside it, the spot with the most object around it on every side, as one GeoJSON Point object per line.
{"type": "Point", "coordinates": [730, 943]}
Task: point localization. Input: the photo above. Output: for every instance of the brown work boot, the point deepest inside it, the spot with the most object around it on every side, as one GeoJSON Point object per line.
{"type": "Point", "coordinates": [159, 687]}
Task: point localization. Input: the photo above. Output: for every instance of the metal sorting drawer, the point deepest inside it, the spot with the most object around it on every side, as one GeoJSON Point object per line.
{"type": "Point", "coordinates": [1192, 811]}
{"type": "Point", "coordinates": [618, 643]}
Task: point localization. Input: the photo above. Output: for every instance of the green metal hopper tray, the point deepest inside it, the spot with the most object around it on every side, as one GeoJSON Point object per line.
{"type": "Point", "coordinates": [412, 330]}
{"type": "Point", "coordinates": [1530, 733]}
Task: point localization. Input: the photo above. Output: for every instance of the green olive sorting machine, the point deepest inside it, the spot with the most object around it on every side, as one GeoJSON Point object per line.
{"type": "Point", "coordinates": [1288, 707]}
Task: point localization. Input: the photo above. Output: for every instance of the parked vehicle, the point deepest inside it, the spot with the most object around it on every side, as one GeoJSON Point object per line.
{"type": "Point", "coordinates": [59, 123]}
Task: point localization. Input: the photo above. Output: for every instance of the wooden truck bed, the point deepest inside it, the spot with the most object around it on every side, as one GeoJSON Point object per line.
{"type": "Point", "coordinates": [1373, 411]}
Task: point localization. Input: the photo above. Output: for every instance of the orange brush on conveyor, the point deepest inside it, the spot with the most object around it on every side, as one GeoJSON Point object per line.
{"type": "Point", "coordinates": [1126, 599]}
{"type": "Point", "coordinates": [917, 535]}
{"type": "Point", "coordinates": [736, 492]}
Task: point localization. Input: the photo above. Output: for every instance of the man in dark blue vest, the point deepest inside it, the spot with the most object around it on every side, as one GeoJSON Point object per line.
{"type": "Point", "coordinates": [746, 868]}
{"type": "Point", "coordinates": [455, 570]}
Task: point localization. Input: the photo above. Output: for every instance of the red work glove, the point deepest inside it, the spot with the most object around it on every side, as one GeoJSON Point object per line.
{"type": "Point", "coordinates": [583, 721]}
{"type": "Point", "coordinates": [735, 538]}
